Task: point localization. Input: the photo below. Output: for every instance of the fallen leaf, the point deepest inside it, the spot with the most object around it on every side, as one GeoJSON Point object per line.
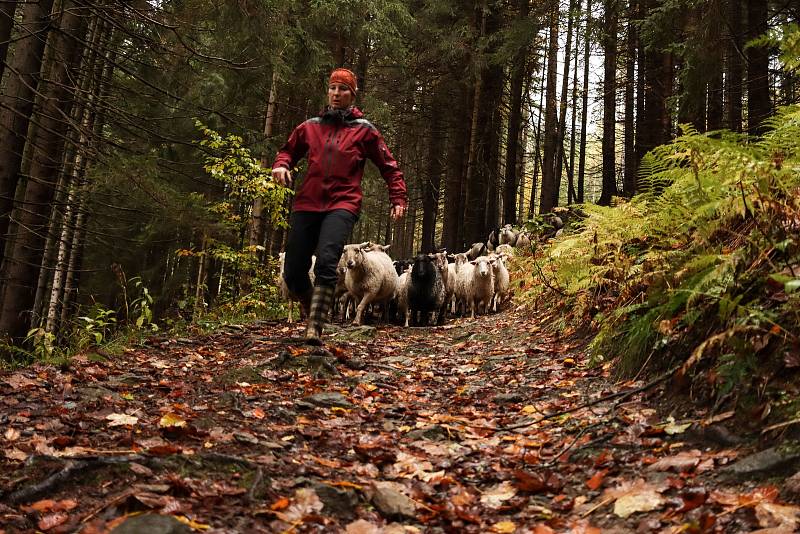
{"type": "Point", "coordinates": [121, 419]}
{"type": "Point", "coordinates": [305, 502]}
{"type": "Point", "coordinates": [672, 428]}
{"type": "Point", "coordinates": [16, 454]}
{"type": "Point", "coordinates": [504, 527]}
{"type": "Point", "coordinates": [172, 420]}
{"type": "Point", "coordinates": [11, 434]}
{"type": "Point", "coordinates": [532, 482]}
{"type": "Point", "coordinates": [499, 494]}
{"type": "Point", "coordinates": [597, 479]}
{"type": "Point", "coordinates": [681, 462]}
{"type": "Point", "coordinates": [635, 497]}
{"type": "Point", "coordinates": [20, 381]}
{"type": "Point", "coordinates": [362, 527]}
{"type": "Point", "coordinates": [640, 501]}
{"type": "Point", "coordinates": [777, 515]}
{"type": "Point", "coordinates": [49, 505]}
{"type": "Point", "coordinates": [280, 504]}
{"type": "Point", "coordinates": [52, 520]}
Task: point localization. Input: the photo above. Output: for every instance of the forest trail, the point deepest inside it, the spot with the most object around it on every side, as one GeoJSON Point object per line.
{"type": "Point", "coordinates": [477, 426]}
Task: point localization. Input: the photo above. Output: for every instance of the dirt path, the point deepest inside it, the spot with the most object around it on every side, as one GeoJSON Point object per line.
{"type": "Point", "coordinates": [472, 427]}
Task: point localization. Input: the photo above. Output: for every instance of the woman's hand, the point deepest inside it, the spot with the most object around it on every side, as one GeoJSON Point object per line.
{"type": "Point", "coordinates": [397, 212]}
{"type": "Point", "coordinates": [282, 176]}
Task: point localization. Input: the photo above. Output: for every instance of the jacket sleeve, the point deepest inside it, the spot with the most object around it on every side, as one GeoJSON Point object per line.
{"type": "Point", "coordinates": [293, 150]}
{"type": "Point", "coordinates": [379, 153]}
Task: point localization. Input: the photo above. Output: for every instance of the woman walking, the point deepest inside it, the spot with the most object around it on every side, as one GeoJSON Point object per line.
{"type": "Point", "coordinates": [337, 144]}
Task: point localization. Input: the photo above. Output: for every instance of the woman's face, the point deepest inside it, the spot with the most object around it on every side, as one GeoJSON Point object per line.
{"type": "Point", "coordinates": [340, 96]}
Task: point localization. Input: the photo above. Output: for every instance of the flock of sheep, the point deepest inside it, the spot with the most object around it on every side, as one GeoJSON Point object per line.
{"type": "Point", "coordinates": [422, 290]}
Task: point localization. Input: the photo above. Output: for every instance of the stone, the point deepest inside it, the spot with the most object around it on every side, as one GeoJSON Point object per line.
{"type": "Point", "coordinates": [328, 399]}
{"type": "Point", "coordinates": [792, 486]}
{"type": "Point", "coordinates": [95, 393]}
{"type": "Point", "coordinates": [430, 432]}
{"type": "Point", "coordinates": [245, 437]}
{"type": "Point", "coordinates": [508, 398]}
{"type": "Point", "coordinates": [340, 502]}
{"type": "Point", "coordinates": [763, 463]}
{"type": "Point", "coordinates": [390, 501]}
{"type": "Point", "coordinates": [151, 524]}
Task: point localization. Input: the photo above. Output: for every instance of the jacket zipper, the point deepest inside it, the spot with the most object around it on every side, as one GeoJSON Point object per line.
{"type": "Point", "coordinates": [329, 145]}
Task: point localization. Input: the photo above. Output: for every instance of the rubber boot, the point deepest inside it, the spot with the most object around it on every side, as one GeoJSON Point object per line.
{"type": "Point", "coordinates": [321, 301]}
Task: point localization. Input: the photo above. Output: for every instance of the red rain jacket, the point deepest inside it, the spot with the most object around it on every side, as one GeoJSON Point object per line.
{"type": "Point", "coordinates": [336, 157]}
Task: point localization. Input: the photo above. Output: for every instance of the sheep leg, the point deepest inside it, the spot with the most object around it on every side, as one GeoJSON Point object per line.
{"type": "Point", "coordinates": [442, 312]}
{"type": "Point", "coordinates": [472, 308]}
{"type": "Point", "coordinates": [289, 312]}
{"type": "Point", "coordinates": [365, 301]}
{"type": "Point", "coordinates": [408, 315]}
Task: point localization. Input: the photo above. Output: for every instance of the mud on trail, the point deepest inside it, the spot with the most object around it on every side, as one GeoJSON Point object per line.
{"type": "Point", "coordinates": [484, 425]}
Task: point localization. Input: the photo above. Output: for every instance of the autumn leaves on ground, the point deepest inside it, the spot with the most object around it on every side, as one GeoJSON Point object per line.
{"type": "Point", "coordinates": [484, 425]}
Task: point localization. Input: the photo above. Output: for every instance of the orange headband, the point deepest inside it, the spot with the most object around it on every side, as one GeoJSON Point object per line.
{"type": "Point", "coordinates": [345, 77]}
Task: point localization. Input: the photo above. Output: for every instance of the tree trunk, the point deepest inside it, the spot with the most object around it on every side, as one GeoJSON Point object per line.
{"type": "Point", "coordinates": [522, 154]}
{"type": "Point", "coordinates": [490, 127]}
{"type": "Point", "coordinates": [16, 103]}
{"type": "Point", "coordinates": [7, 12]}
{"type": "Point", "coordinates": [735, 66]}
{"type": "Point", "coordinates": [571, 196]}
{"type": "Point", "coordinates": [631, 163]}
{"type": "Point", "coordinates": [715, 110]}
{"type": "Point", "coordinates": [71, 270]}
{"type": "Point", "coordinates": [537, 159]}
{"type": "Point", "coordinates": [514, 122]}
{"type": "Point", "coordinates": [609, 104]}
{"type": "Point", "coordinates": [759, 107]}
{"type": "Point", "coordinates": [456, 148]}
{"type": "Point", "coordinates": [73, 166]}
{"type": "Point", "coordinates": [585, 103]}
{"type": "Point", "coordinates": [33, 212]}
{"type": "Point", "coordinates": [434, 169]}
{"type": "Point", "coordinates": [548, 198]}
{"type": "Point", "coordinates": [257, 222]}
{"type": "Point", "coordinates": [562, 111]}
{"type": "Point", "coordinates": [655, 129]}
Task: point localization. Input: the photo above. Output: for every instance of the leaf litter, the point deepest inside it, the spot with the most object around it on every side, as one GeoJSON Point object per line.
{"type": "Point", "coordinates": [480, 426]}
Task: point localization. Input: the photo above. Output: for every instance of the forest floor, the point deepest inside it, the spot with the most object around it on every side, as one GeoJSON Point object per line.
{"type": "Point", "coordinates": [486, 425]}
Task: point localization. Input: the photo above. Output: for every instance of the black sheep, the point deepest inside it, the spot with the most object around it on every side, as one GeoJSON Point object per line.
{"type": "Point", "coordinates": [426, 291]}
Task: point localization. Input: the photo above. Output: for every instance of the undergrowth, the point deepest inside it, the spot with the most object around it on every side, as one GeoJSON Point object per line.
{"type": "Point", "coordinates": [700, 270]}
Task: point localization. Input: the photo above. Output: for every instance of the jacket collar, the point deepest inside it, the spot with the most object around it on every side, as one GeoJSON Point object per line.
{"type": "Point", "coordinates": [352, 113]}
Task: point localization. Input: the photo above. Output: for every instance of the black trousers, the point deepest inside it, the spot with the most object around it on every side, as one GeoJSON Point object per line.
{"type": "Point", "coordinates": [310, 232]}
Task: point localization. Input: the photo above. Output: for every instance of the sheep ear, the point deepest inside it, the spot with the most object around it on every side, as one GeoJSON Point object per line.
{"type": "Point", "coordinates": [386, 247]}
{"type": "Point", "coordinates": [474, 262]}
{"type": "Point", "coordinates": [365, 244]}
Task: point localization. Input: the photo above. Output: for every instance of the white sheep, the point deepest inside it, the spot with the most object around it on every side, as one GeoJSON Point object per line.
{"type": "Point", "coordinates": [440, 260]}
{"type": "Point", "coordinates": [452, 276]}
{"type": "Point", "coordinates": [501, 281]}
{"type": "Point", "coordinates": [523, 241]}
{"type": "Point", "coordinates": [508, 236]}
{"type": "Point", "coordinates": [477, 284]}
{"type": "Point", "coordinates": [402, 295]}
{"type": "Point", "coordinates": [370, 278]}
{"type": "Point", "coordinates": [461, 281]}
{"type": "Point", "coordinates": [506, 249]}
{"type": "Point", "coordinates": [284, 290]}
